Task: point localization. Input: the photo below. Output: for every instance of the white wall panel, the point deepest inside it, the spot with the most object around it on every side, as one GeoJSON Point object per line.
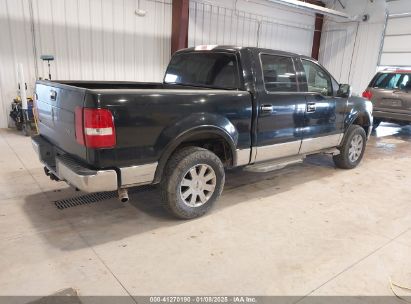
{"type": "Point", "coordinates": [399, 6]}
{"type": "Point", "coordinates": [15, 47]}
{"type": "Point", "coordinates": [286, 37]}
{"type": "Point", "coordinates": [349, 50]}
{"type": "Point", "coordinates": [398, 43]}
{"type": "Point", "coordinates": [360, 60]}
{"type": "Point", "coordinates": [104, 39]}
{"type": "Point", "coordinates": [395, 60]}
{"type": "Point", "coordinates": [90, 39]}
{"type": "Point", "coordinates": [250, 23]}
{"type": "Point", "coordinates": [398, 26]}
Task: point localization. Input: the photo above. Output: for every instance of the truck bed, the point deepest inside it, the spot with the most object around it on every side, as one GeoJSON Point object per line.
{"type": "Point", "coordinates": [147, 116]}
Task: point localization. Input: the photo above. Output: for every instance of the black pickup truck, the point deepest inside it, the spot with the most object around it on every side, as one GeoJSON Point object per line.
{"type": "Point", "coordinates": [218, 107]}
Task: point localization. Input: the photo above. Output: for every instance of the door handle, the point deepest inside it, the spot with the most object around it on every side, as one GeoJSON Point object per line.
{"type": "Point", "coordinates": [266, 108]}
{"type": "Point", "coordinates": [310, 107]}
{"type": "Point", "coordinates": [53, 95]}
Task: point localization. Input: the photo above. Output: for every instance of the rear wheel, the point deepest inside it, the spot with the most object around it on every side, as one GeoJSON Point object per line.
{"type": "Point", "coordinates": [352, 148]}
{"type": "Point", "coordinates": [194, 179]}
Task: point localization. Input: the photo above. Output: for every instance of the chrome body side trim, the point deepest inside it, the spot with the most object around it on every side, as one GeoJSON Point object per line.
{"type": "Point", "coordinates": [319, 143]}
{"type": "Point", "coordinates": [277, 151]}
{"type": "Point", "coordinates": [253, 154]}
{"type": "Point", "coordinates": [138, 175]}
{"type": "Point", "coordinates": [243, 157]}
{"type": "Point", "coordinates": [85, 179]}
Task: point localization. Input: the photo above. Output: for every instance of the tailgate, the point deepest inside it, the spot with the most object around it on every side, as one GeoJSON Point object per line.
{"type": "Point", "coordinates": [56, 104]}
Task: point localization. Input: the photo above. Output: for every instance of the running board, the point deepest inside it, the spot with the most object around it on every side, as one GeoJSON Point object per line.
{"type": "Point", "coordinates": [274, 164]}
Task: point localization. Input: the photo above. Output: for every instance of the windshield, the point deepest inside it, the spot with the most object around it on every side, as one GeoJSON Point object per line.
{"type": "Point", "coordinates": [214, 70]}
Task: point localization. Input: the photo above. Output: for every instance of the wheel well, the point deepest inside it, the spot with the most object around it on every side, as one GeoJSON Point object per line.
{"type": "Point", "coordinates": [363, 122]}
{"type": "Point", "coordinates": [212, 142]}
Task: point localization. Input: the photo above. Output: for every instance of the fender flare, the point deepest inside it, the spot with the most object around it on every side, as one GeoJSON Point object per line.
{"type": "Point", "coordinates": [194, 125]}
{"type": "Point", "coordinates": [354, 114]}
{"type": "Point", "coordinates": [359, 113]}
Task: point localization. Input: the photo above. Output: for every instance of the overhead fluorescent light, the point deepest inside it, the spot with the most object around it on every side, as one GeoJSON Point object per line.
{"type": "Point", "coordinates": [312, 8]}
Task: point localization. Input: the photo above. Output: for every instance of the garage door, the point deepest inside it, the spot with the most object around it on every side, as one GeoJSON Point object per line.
{"type": "Point", "coordinates": [396, 49]}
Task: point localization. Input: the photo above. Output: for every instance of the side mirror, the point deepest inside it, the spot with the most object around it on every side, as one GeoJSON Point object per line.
{"type": "Point", "coordinates": [344, 91]}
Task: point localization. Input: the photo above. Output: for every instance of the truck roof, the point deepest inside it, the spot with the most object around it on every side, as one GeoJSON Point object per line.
{"type": "Point", "coordinates": [233, 48]}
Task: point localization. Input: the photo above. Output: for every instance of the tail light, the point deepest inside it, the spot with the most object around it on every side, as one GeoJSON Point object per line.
{"type": "Point", "coordinates": [367, 94]}
{"type": "Point", "coordinates": [95, 128]}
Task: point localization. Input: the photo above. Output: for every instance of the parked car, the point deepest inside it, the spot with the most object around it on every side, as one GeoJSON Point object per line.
{"type": "Point", "coordinates": [390, 93]}
{"type": "Point", "coordinates": [219, 107]}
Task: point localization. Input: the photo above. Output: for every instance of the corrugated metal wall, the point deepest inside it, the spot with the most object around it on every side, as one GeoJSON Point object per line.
{"type": "Point", "coordinates": [90, 39]}
{"type": "Point", "coordinates": [15, 46]}
{"type": "Point", "coordinates": [349, 50]}
{"type": "Point", "coordinates": [232, 23]}
{"type": "Point", "coordinates": [349, 55]}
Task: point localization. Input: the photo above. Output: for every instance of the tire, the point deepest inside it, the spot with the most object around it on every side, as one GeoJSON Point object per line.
{"type": "Point", "coordinates": [346, 159]}
{"type": "Point", "coordinates": [376, 123]}
{"type": "Point", "coordinates": [178, 182]}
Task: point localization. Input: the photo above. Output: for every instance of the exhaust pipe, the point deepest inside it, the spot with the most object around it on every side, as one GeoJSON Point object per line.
{"type": "Point", "coordinates": [50, 174]}
{"type": "Point", "coordinates": [123, 195]}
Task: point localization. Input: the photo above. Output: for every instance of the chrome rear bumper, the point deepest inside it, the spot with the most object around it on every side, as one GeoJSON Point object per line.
{"type": "Point", "coordinates": [85, 179]}
{"type": "Point", "coordinates": [88, 180]}
{"type": "Point", "coordinates": [72, 172]}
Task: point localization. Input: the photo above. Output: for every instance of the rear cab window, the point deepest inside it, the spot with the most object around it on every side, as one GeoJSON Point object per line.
{"type": "Point", "coordinates": [278, 73]}
{"type": "Point", "coordinates": [204, 69]}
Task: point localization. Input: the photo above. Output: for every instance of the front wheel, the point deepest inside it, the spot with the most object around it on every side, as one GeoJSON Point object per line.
{"type": "Point", "coordinates": [352, 148]}
{"type": "Point", "coordinates": [194, 179]}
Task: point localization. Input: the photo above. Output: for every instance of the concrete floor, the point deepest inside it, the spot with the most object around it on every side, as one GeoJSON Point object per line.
{"type": "Point", "coordinates": [305, 230]}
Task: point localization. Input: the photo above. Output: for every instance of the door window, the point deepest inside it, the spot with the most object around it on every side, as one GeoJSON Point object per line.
{"type": "Point", "coordinates": [278, 73]}
{"type": "Point", "coordinates": [318, 81]}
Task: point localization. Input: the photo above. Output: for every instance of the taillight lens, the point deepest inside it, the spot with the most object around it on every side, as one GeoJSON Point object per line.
{"type": "Point", "coordinates": [95, 128]}
{"type": "Point", "coordinates": [79, 125]}
{"type": "Point", "coordinates": [367, 94]}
